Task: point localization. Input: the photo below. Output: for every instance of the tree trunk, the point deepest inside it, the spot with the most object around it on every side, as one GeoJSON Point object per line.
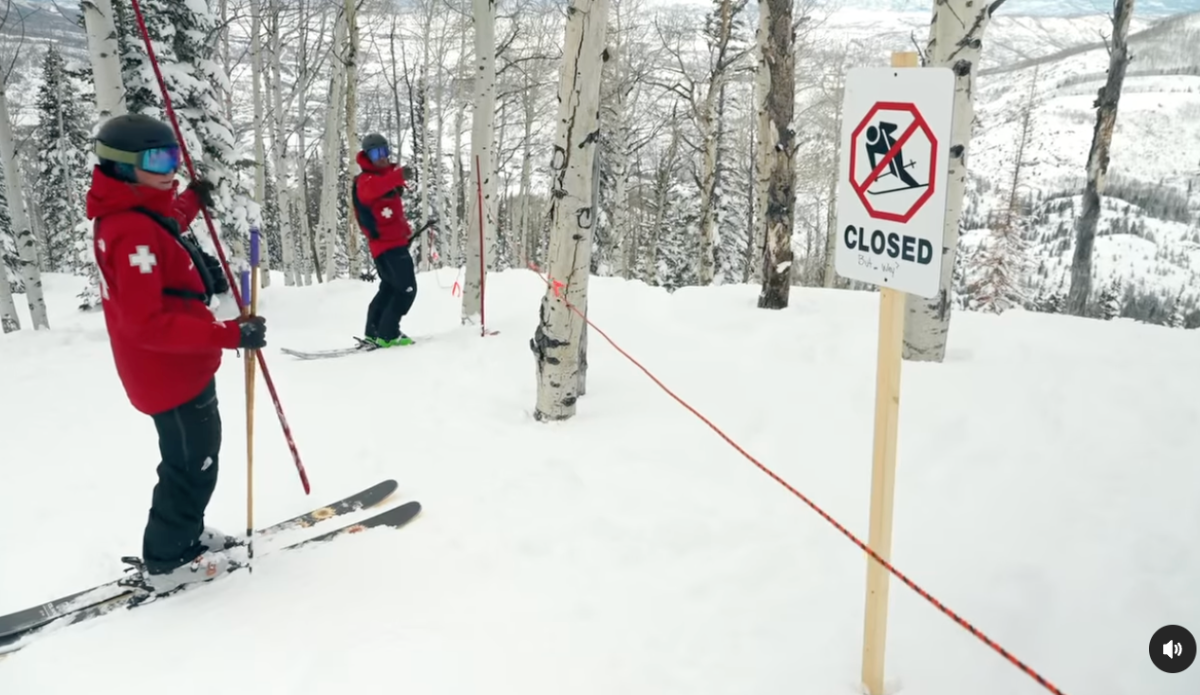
{"type": "Point", "coordinates": [481, 225]}
{"type": "Point", "coordinates": [1097, 164]}
{"type": "Point", "coordinates": [956, 42]}
{"type": "Point", "coordinates": [354, 268]}
{"type": "Point", "coordinates": [22, 232]}
{"type": "Point", "coordinates": [101, 26]}
{"type": "Point", "coordinates": [260, 150]}
{"type": "Point", "coordinates": [829, 278]}
{"type": "Point", "coordinates": [283, 200]}
{"type": "Point", "coordinates": [460, 187]}
{"type": "Point", "coordinates": [752, 190]}
{"type": "Point", "coordinates": [524, 226]}
{"type": "Point", "coordinates": [777, 147]}
{"type": "Point", "coordinates": [558, 341]}
{"type": "Point", "coordinates": [331, 159]}
{"type": "Point", "coordinates": [226, 60]}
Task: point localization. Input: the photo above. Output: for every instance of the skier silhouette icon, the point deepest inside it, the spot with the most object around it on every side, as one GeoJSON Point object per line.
{"type": "Point", "coordinates": [880, 141]}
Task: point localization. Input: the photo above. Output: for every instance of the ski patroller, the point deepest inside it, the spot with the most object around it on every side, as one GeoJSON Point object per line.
{"type": "Point", "coordinates": [16, 628]}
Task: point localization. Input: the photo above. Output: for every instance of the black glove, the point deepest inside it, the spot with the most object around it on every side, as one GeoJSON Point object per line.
{"type": "Point", "coordinates": [204, 191]}
{"type": "Point", "coordinates": [254, 332]}
{"type": "Point", "coordinates": [410, 173]}
{"type": "Point", "coordinates": [216, 272]}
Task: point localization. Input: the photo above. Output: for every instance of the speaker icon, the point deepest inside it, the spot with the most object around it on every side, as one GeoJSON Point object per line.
{"type": "Point", "coordinates": [1172, 649]}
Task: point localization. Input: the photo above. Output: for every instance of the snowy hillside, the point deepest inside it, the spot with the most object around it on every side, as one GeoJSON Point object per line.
{"type": "Point", "coordinates": [1155, 164]}
{"type": "Point", "coordinates": [1042, 493]}
{"type": "Point", "coordinates": [1008, 39]}
{"type": "Point", "coordinates": [1037, 8]}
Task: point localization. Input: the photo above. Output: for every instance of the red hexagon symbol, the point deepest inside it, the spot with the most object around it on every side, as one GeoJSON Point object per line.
{"type": "Point", "coordinates": [877, 152]}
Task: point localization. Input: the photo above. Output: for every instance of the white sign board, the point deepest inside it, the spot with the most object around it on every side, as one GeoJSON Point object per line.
{"type": "Point", "coordinates": [891, 204]}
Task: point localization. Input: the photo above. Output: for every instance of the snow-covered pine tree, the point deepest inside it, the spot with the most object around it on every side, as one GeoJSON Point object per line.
{"type": "Point", "coordinates": [184, 35]}
{"type": "Point", "coordinates": [735, 171]}
{"type": "Point", "coordinates": [1178, 312]}
{"type": "Point", "coordinates": [1109, 304]}
{"type": "Point", "coordinates": [1054, 300]}
{"type": "Point", "coordinates": [62, 142]}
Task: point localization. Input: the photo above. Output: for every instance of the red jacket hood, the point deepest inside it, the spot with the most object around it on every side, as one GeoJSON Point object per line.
{"type": "Point", "coordinates": [365, 163]}
{"type": "Point", "coordinates": [108, 195]}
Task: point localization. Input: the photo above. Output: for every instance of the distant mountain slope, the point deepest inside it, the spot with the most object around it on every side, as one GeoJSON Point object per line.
{"type": "Point", "coordinates": [1146, 9]}
{"type": "Point", "coordinates": [1150, 237]}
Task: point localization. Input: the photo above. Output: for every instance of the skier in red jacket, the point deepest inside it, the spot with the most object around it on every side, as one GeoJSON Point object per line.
{"type": "Point", "coordinates": [380, 215]}
{"type": "Point", "coordinates": [155, 288]}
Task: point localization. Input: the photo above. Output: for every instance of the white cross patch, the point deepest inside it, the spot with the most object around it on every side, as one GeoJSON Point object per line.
{"type": "Point", "coordinates": [143, 259]}
{"type": "Point", "coordinates": [101, 245]}
{"type": "Point", "coordinates": [387, 213]}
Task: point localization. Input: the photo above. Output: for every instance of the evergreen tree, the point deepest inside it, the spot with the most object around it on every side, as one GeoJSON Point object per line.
{"type": "Point", "coordinates": [1109, 304]}
{"type": "Point", "coordinates": [1178, 312]}
{"type": "Point", "coordinates": [62, 143]}
{"type": "Point", "coordinates": [184, 36]}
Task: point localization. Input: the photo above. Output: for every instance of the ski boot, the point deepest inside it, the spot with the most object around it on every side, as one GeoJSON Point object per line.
{"type": "Point", "coordinates": [149, 584]}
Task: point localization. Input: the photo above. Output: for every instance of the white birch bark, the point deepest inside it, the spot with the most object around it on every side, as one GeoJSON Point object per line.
{"type": "Point", "coordinates": [524, 236]}
{"type": "Point", "coordinates": [260, 151]}
{"type": "Point", "coordinates": [278, 155]}
{"type": "Point", "coordinates": [226, 59]}
{"type": "Point", "coordinates": [481, 198]}
{"type": "Point", "coordinates": [460, 187]}
{"type": "Point", "coordinates": [428, 190]}
{"type": "Point", "coordinates": [22, 232]}
{"type": "Point", "coordinates": [956, 42]}
{"type": "Point", "coordinates": [305, 242]}
{"type": "Point", "coordinates": [764, 142]}
{"type": "Point", "coordinates": [9, 319]}
{"type": "Point", "coordinates": [777, 147]}
{"type": "Point", "coordinates": [352, 234]}
{"type": "Point", "coordinates": [334, 119]}
{"type": "Point", "coordinates": [105, 56]}
{"type": "Point", "coordinates": [558, 341]}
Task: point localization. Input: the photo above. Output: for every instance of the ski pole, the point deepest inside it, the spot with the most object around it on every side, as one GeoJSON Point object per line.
{"type": "Point", "coordinates": [251, 279]}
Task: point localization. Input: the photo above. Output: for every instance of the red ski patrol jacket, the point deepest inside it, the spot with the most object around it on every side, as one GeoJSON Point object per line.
{"type": "Point", "coordinates": [378, 208]}
{"type": "Point", "coordinates": [166, 342]}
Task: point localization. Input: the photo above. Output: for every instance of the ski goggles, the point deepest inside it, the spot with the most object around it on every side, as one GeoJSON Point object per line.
{"type": "Point", "coordinates": [377, 153]}
{"type": "Point", "coordinates": [156, 160]}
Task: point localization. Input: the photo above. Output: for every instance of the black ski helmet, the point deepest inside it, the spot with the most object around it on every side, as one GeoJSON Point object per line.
{"type": "Point", "coordinates": [121, 138]}
{"type": "Point", "coordinates": [372, 141]}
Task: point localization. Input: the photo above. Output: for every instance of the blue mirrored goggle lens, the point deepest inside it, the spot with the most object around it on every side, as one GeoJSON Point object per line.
{"type": "Point", "coordinates": [160, 160]}
{"type": "Point", "coordinates": [377, 153]}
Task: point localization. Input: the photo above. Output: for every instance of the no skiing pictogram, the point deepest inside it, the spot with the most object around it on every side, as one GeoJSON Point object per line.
{"type": "Point", "coordinates": [893, 175]}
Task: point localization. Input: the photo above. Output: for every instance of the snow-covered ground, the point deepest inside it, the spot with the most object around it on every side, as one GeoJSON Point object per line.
{"type": "Point", "coordinates": [1046, 491]}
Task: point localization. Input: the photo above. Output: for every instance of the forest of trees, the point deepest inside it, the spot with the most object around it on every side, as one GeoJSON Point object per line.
{"type": "Point", "coordinates": [710, 154]}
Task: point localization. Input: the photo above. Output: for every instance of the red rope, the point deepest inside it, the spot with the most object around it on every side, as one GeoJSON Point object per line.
{"type": "Point", "coordinates": [233, 284]}
{"type": "Point", "coordinates": [854, 539]}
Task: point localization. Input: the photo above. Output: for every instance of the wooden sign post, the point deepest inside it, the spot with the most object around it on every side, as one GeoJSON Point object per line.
{"type": "Point", "coordinates": [891, 206]}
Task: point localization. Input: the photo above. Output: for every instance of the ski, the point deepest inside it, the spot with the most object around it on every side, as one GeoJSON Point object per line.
{"type": "Point", "coordinates": [371, 497]}
{"type": "Point", "coordinates": [395, 518]}
{"type": "Point", "coordinates": [24, 620]}
{"type": "Point", "coordinates": [362, 346]}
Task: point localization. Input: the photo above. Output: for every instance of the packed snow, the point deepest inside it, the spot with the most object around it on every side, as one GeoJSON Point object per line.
{"type": "Point", "coordinates": [1046, 491]}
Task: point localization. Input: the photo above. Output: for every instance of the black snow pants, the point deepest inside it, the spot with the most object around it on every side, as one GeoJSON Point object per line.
{"type": "Point", "coordinates": [189, 440]}
{"type": "Point", "coordinates": [397, 291]}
